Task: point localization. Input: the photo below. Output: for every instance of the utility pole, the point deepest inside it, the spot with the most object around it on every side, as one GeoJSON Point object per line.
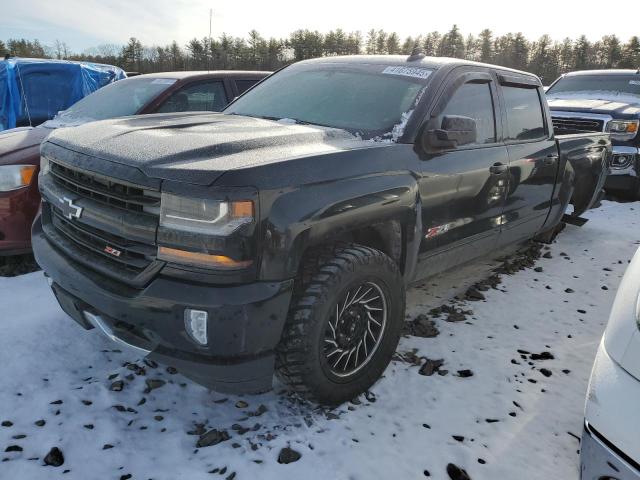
{"type": "Point", "coordinates": [210, 43]}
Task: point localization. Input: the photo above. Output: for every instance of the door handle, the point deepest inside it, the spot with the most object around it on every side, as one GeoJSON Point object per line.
{"type": "Point", "coordinates": [498, 168]}
{"type": "Point", "coordinates": [550, 159]}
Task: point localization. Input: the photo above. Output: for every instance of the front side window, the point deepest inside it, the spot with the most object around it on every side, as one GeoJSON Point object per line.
{"type": "Point", "coordinates": [200, 97]}
{"type": "Point", "coordinates": [525, 120]}
{"type": "Point", "coordinates": [366, 99]}
{"type": "Point", "coordinates": [473, 100]}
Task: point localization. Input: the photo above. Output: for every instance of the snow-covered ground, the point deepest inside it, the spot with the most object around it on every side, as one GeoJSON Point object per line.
{"type": "Point", "coordinates": [510, 419]}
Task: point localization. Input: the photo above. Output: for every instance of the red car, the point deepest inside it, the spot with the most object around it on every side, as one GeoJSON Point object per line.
{"type": "Point", "coordinates": [143, 94]}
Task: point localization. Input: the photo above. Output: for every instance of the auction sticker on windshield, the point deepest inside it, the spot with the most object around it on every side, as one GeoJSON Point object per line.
{"type": "Point", "coordinates": [408, 71]}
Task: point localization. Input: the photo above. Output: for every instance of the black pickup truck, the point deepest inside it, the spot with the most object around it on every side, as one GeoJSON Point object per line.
{"type": "Point", "coordinates": [281, 234]}
{"type": "Point", "coordinates": [603, 101]}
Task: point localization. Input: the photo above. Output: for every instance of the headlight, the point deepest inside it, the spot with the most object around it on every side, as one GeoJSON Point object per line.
{"type": "Point", "coordinates": [209, 217]}
{"type": "Point", "coordinates": [623, 129]}
{"type": "Point", "coordinates": [13, 177]}
{"type": "Point", "coordinates": [194, 230]}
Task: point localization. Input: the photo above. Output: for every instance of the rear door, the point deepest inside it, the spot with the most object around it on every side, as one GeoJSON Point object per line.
{"type": "Point", "coordinates": [463, 189]}
{"type": "Point", "coordinates": [533, 158]}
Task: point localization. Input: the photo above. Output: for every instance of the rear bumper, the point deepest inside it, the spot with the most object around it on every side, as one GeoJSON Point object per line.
{"type": "Point", "coordinates": [244, 322]}
{"type": "Point", "coordinates": [599, 459]}
{"type": "Point", "coordinates": [18, 208]}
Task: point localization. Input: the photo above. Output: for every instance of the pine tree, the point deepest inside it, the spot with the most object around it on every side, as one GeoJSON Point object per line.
{"type": "Point", "coordinates": [132, 55]}
{"type": "Point", "coordinates": [431, 44]}
{"type": "Point", "coordinates": [381, 42]}
{"type": "Point", "coordinates": [630, 54]}
{"type": "Point", "coordinates": [581, 54]}
{"type": "Point", "coordinates": [393, 44]}
{"type": "Point", "coordinates": [452, 44]}
{"type": "Point", "coordinates": [372, 42]}
{"type": "Point", "coordinates": [486, 45]}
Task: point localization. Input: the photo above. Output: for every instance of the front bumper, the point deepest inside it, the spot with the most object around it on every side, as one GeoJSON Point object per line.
{"type": "Point", "coordinates": [600, 460]}
{"type": "Point", "coordinates": [18, 208]}
{"type": "Point", "coordinates": [245, 322]}
{"type": "Point", "coordinates": [625, 175]}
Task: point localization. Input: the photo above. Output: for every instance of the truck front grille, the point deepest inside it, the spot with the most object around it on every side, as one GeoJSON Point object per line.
{"type": "Point", "coordinates": [105, 190]}
{"type": "Point", "coordinates": [133, 256]}
{"type": "Point", "coordinates": [115, 233]}
{"type": "Point", "coordinates": [571, 125]}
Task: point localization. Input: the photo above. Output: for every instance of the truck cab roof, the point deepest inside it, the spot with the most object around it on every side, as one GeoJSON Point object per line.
{"type": "Point", "coordinates": [434, 63]}
{"type": "Point", "coordinates": [207, 74]}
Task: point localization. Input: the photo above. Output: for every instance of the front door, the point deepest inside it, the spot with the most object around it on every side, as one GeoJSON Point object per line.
{"type": "Point", "coordinates": [463, 189]}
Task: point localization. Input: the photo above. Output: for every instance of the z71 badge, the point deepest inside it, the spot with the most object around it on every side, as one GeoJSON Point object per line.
{"type": "Point", "coordinates": [112, 251]}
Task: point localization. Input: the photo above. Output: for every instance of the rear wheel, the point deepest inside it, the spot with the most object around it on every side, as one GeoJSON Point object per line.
{"type": "Point", "coordinates": [344, 323]}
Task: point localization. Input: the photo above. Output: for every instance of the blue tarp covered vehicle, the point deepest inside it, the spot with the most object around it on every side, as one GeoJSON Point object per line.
{"type": "Point", "coordinates": [33, 91]}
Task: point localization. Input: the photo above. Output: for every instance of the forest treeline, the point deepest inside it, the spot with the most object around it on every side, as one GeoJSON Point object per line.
{"type": "Point", "coordinates": [545, 57]}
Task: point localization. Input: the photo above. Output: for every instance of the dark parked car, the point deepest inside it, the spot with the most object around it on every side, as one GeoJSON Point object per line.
{"type": "Point", "coordinates": [603, 101]}
{"type": "Point", "coordinates": [158, 92]}
{"type": "Point", "coordinates": [282, 233]}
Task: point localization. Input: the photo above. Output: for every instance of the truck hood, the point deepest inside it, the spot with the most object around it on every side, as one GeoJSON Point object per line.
{"type": "Point", "coordinates": [607, 103]}
{"type": "Point", "coordinates": [198, 148]}
{"type": "Point", "coordinates": [17, 139]}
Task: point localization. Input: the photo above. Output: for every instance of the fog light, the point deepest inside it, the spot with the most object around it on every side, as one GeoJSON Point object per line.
{"type": "Point", "coordinates": [195, 322]}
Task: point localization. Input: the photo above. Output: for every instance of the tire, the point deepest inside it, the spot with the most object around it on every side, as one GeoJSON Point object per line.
{"type": "Point", "coordinates": [323, 325]}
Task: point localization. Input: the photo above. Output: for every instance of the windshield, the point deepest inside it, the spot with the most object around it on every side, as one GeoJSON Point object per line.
{"type": "Point", "coordinates": [364, 99]}
{"type": "Point", "coordinates": [597, 86]}
{"type": "Point", "coordinates": [119, 99]}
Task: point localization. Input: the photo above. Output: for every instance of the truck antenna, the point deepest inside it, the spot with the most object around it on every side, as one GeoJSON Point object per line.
{"type": "Point", "coordinates": [416, 54]}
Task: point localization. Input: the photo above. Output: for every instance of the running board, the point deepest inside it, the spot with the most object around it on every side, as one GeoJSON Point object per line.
{"type": "Point", "coordinates": [577, 221]}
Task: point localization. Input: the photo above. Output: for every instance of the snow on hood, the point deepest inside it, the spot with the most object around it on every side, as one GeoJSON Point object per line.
{"type": "Point", "coordinates": [199, 147]}
{"type": "Point", "coordinates": [62, 122]}
{"type": "Point", "coordinates": [607, 95]}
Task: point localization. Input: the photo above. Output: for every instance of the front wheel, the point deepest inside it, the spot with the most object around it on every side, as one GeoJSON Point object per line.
{"type": "Point", "coordinates": [344, 323]}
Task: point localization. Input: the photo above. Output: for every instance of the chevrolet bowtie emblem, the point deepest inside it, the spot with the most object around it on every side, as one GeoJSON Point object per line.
{"type": "Point", "coordinates": [69, 210]}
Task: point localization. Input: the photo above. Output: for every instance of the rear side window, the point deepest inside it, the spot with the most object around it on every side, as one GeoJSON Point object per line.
{"type": "Point", "coordinates": [524, 114]}
{"type": "Point", "coordinates": [244, 85]}
{"type": "Point", "coordinates": [474, 100]}
{"type": "Point", "coordinates": [203, 96]}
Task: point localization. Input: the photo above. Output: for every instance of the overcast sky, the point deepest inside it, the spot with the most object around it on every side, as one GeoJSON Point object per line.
{"type": "Point", "coordinates": [87, 23]}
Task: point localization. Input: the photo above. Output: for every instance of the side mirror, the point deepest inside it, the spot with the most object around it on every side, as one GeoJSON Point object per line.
{"type": "Point", "coordinates": [455, 131]}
